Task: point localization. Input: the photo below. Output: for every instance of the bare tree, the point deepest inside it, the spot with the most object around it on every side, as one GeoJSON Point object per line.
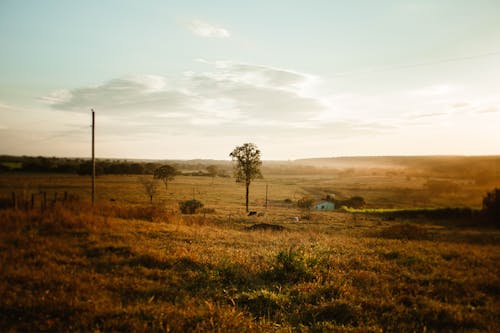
{"type": "Point", "coordinates": [150, 186]}
{"type": "Point", "coordinates": [165, 173]}
{"type": "Point", "coordinates": [247, 167]}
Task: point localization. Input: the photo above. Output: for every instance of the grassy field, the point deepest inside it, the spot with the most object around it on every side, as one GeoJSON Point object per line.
{"type": "Point", "coordinates": [126, 265]}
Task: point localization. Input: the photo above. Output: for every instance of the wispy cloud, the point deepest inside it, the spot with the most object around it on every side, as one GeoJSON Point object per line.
{"type": "Point", "coordinates": [229, 99]}
{"type": "Point", "coordinates": [435, 90]}
{"type": "Point", "coordinates": [204, 29]}
{"type": "Point", "coordinates": [490, 109]}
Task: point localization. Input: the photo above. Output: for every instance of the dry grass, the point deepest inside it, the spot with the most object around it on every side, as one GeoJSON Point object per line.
{"type": "Point", "coordinates": [122, 267]}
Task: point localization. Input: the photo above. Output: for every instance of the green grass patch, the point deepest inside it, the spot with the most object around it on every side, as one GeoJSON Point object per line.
{"type": "Point", "coordinates": [415, 213]}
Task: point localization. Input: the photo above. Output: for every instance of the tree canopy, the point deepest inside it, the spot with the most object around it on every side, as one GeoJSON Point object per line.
{"type": "Point", "coordinates": [165, 173]}
{"type": "Point", "coordinates": [247, 167]}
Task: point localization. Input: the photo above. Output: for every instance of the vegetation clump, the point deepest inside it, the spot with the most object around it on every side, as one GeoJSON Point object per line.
{"type": "Point", "coordinates": [190, 206]}
{"type": "Point", "coordinates": [491, 206]}
{"type": "Point", "coordinates": [290, 266]}
{"type": "Point", "coordinates": [355, 202]}
{"type": "Point", "coordinates": [265, 226]}
{"type": "Point", "coordinates": [305, 203]}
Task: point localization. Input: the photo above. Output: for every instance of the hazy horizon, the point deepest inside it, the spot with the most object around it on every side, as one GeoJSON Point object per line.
{"type": "Point", "coordinates": [360, 157]}
{"type": "Point", "coordinates": [192, 80]}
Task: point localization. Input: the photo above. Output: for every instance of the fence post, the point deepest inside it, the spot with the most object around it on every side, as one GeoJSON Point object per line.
{"type": "Point", "coordinates": [65, 196]}
{"type": "Point", "coordinates": [14, 202]}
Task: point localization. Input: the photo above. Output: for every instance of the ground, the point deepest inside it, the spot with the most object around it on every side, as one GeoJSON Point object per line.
{"type": "Point", "coordinates": [129, 266]}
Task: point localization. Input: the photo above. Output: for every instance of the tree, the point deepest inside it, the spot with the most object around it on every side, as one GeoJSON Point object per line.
{"type": "Point", "coordinates": [247, 167]}
{"type": "Point", "coordinates": [165, 173]}
{"type": "Point", "coordinates": [356, 202]}
{"type": "Point", "coordinates": [150, 186]}
{"type": "Point", "coordinates": [491, 205]}
{"type": "Point", "coordinates": [305, 203]}
{"type": "Point", "coordinates": [212, 170]}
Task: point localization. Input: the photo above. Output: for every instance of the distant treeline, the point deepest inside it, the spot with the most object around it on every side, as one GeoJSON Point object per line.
{"type": "Point", "coordinates": [84, 166]}
{"type": "Point", "coordinates": [73, 166]}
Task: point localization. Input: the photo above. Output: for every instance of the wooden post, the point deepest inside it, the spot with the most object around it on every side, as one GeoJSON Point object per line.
{"type": "Point", "coordinates": [65, 196]}
{"type": "Point", "coordinates": [93, 156]}
{"type": "Point", "coordinates": [14, 201]}
{"type": "Point", "coordinates": [32, 201]}
{"type": "Point", "coordinates": [266, 196]}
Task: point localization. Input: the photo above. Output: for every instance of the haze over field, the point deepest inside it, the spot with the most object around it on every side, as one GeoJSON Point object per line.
{"type": "Point", "coordinates": [304, 79]}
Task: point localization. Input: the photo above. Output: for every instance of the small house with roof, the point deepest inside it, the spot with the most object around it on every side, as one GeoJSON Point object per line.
{"type": "Point", "coordinates": [324, 205]}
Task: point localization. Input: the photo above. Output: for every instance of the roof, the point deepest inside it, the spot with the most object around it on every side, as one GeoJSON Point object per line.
{"type": "Point", "coordinates": [323, 202]}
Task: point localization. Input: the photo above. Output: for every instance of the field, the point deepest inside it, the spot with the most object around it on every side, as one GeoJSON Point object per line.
{"type": "Point", "coordinates": [128, 265]}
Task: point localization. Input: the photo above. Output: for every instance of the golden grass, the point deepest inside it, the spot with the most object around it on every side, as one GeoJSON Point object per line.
{"type": "Point", "coordinates": [113, 268]}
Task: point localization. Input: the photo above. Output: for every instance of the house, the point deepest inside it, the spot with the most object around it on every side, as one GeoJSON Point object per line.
{"type": "Point", "coordinates": [324, 205]}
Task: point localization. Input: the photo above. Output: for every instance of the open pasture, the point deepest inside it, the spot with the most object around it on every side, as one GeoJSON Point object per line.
{"type": "Point", "coordinates": [382, 182]}
{"type": "Point", "coordinates": [108, 268]}
{"type": "Point", "coordinates": [128, 265]}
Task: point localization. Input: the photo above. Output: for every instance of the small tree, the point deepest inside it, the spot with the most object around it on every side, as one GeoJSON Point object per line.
{"type": "Point", "coordinates": [491, 205]}
{"type": "Point", "coordinates": [247, 167]}
{"type": "Point", "coordinates": [150, 186]}
{"type": "Point", "coordinates": [165, 173]}
{"type": "Point", "coordinates": [212, 170]}
{"type": "Point", "coordinates": [305, 203]}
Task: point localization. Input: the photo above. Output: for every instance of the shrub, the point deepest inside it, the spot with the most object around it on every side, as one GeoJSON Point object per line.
{"type": "Point", "coordinates": [357, 202]}
{"type": "Point", "coordinates": [190, 206]}
{"type": "Point", "coordinates": [491, 205]}
{"type": "Point", "coordinates": [290, 267]}
{"type": "Point", "coordinates": [305, 203]}
{"type": "Point", "coordinates": [353, 202]}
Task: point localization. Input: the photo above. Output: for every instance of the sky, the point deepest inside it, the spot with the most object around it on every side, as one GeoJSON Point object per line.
{"type": "Point", "coordinates": [194, 79]}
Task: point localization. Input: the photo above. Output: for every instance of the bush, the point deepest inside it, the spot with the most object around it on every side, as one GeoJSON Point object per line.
{"type": "Point", "coordinates": [190, 206]}
{"type": "Point", "coordinates": [491, 205]}
{"type": "Point", "coordinates": [353, 202]}
{"type": "Point", "coordinates": [305, 203]}
{"type": "Point", "coordinates": [290, 267]}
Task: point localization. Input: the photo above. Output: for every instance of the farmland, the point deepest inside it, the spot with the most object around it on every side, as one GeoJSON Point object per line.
{"type": "Point", "coordinates": [129, 265]}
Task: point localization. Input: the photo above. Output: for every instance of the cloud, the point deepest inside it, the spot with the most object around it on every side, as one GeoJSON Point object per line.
{"type": "Point", "coordinates": [460, 105]}
{"type": "Point", "coordinates": [204, 29]}
{"type": "Point", "coordinates": [475, 107]}
{"type": "Point", "coordinates": [229, 92]}
{"type": "Point", "coordinates": [435, 90]}
{"type": "Point", "coordinates": [229, 99]}
{"type": "Point", "coordinates": [490, 109]}
{"type": "Point", "coordinates": [428, 115]}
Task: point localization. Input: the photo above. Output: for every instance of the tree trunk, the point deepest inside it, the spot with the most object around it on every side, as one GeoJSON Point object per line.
{"type": "Point", "coordinates": [247, 191]}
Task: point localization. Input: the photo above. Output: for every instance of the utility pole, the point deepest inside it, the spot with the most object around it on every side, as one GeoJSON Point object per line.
{"type": "Point", "coordinates": [93, 156]}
